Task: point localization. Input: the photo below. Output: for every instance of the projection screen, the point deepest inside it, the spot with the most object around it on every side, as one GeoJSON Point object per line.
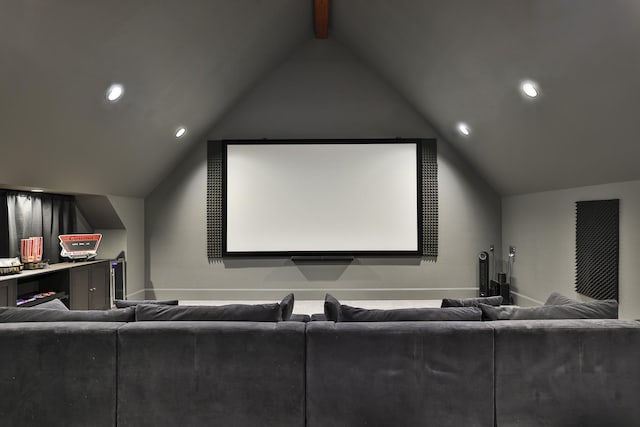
{"type": "Point", "coordinates": [321, 197]}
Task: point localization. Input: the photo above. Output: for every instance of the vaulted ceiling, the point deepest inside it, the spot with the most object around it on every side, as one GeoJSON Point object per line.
{"type": "Point", "coordinates": [186, 62]}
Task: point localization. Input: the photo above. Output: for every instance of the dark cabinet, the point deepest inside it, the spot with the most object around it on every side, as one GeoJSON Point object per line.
{"type": "Point", "coordinates": [80, 285]}
{"type": "Point", "coordinates": [8, 293]}
{"type": "Point", "coordinates": [89, 287]}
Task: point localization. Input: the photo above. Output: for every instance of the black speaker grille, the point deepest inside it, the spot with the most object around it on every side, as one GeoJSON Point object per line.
{"type": "Point", "coordinates": [597, 240]}
{"type": "Point", "coordinates": [214, 201]}
{"type": "Point", "coordinates": [429, 198]}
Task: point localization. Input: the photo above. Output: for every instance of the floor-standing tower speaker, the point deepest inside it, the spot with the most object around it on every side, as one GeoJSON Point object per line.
{"type": "Point", "coordinates": [118, 279]}
{"type": "Point", "coordinates": [483, 270]}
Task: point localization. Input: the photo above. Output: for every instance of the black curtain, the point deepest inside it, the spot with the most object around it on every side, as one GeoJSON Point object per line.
{"type": "Point", "coordinates": [35, 215]}
{"type": "Point", "coordinates": [4, 226]}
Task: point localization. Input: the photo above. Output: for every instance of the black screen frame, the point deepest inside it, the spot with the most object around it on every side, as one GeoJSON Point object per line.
{"type": "Point", "coordinates": [328, 253]}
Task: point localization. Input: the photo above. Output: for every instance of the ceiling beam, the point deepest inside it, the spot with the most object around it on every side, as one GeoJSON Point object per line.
{"type": "Point", "coordinates": [321, 14]}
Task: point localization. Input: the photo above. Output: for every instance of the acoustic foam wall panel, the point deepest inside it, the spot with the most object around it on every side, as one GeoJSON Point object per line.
{"type": "Point", "coordinates": [597, 240]}
{"type": "Point", "coordinates": [429, 198]}
{"type": "Point", "coordinates": [214, 201]}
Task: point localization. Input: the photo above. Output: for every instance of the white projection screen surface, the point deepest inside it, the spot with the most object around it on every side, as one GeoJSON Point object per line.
{"type": "Point", "coordinates": [321, 198]}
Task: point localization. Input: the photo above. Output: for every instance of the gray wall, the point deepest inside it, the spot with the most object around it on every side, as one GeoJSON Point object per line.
{"type": "Point", "coordinates": [130, 210]}
{"type": "Point", "coordinates": [542, 227]}
{"type": "Point", "coordinates": [322, 91]}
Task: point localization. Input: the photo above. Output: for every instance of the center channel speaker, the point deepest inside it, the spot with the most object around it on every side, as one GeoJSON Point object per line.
{"type": "Point", "coordinates": [483, 270]}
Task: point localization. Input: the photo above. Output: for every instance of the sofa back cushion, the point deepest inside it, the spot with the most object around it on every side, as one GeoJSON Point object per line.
{"type": "Point", "coordinates": [355, 314]}
{"type": "Point", "coordinates": [19, 314]}
{"type": "Point", "coordinates": [607, 309]}
{"type": "Point", "coordinates": [58, 373]}
{"type": "Point", "coordinates": [123, 303]}
{"type": "Point", "coordinates": [567, 373]}
{"type": "Point", "coordinates": [274, 312]}
{"type": "Point", "coordinates": [211, 373]}
{"type": "Point", "coordinates": [230, 312]}
{"type": "Point", "coordinates": [344, 313]}
{"type": "Point", "coordinates": [418, 374]}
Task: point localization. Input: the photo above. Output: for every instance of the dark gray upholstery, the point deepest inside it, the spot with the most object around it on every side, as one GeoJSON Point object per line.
{"type": "Point", "coordinates": [34, 314]}
{"type": "Point", "coordinates": [122, 303]}
{"type": "Point", "coordinates": [356, 314]}
{"type": "Point", "coordinates": [58, 374]}
{"type": "Point", "coordinates": [299, 317]}
{"type": "Point", "coordinates": [399, 374]}
{"type": "Point", "coordinates": [556, 298]}
{"type": "Point", "coordinates": [337, 312]}
{"type": "Point", "coordinates": [566, 373]}
{"type": "Point", "coordinates": [211, 374]}
{"type": "Point", "coordinates": [54, 304]}
{"type": "Point", "coordinates": [522, 373]}
{"type": "Point", "coordinates": [607, 309]}
{"type": "Point", "coordinates": [286, 306]}
{"type": "Point", "coordinates": [229, 312]}
{"type": "Point", "coordinates": [471, 302]}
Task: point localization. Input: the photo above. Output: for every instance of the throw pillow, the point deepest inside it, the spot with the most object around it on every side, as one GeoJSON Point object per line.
{"type": "Point", "coordinates": [558, 299]}
{"type": "Point", "coordinates": [122, 303]}
{"type": "Point", "coordinates": [286, 306]}
{"type": "Point", "coordinates": [230, 312]}
{"type": "Point", "coordinates": [607, 309]}
{"type": "Point", "coordinates": [34, 314]}
{"type": "Point", "coordinates": [471, 302]}
{"type": "Point", "coordinates": [331, 308]}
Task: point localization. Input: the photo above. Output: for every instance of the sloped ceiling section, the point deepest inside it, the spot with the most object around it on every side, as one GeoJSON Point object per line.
{"type": "Point", "coordinates": [99, 212]}
{"type": "Point", "coordinates": [463, 60]}
{"type": "Point", "coordinates": [182, 63]}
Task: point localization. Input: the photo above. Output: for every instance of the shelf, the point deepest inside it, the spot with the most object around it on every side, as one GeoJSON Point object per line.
{"type": "Point", "coordinates": [37, 301]}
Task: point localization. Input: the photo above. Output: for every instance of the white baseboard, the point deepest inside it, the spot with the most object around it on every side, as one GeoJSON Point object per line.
{"type": "Point", "coordinates": [219, 294]}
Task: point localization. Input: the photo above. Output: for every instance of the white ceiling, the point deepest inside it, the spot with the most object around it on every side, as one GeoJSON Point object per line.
{"type": "Point", "coordinates": [186, 62]}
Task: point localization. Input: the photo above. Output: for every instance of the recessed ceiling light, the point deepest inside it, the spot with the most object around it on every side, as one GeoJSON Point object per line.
{"type": "Point", "coordinates": [529, 88]}
{"type": "Point", "coordinates": [115, 92]}
{"type": "Point", "coordinates": [464, 129]}
{"type": "Point", "coordinates": [37, 190]}
{"type": "Point", "coordinates": [180, 132]}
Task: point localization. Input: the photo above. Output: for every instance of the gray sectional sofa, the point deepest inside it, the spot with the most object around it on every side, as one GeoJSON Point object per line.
{"type": "Point", "coordinates": [220, 373]}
